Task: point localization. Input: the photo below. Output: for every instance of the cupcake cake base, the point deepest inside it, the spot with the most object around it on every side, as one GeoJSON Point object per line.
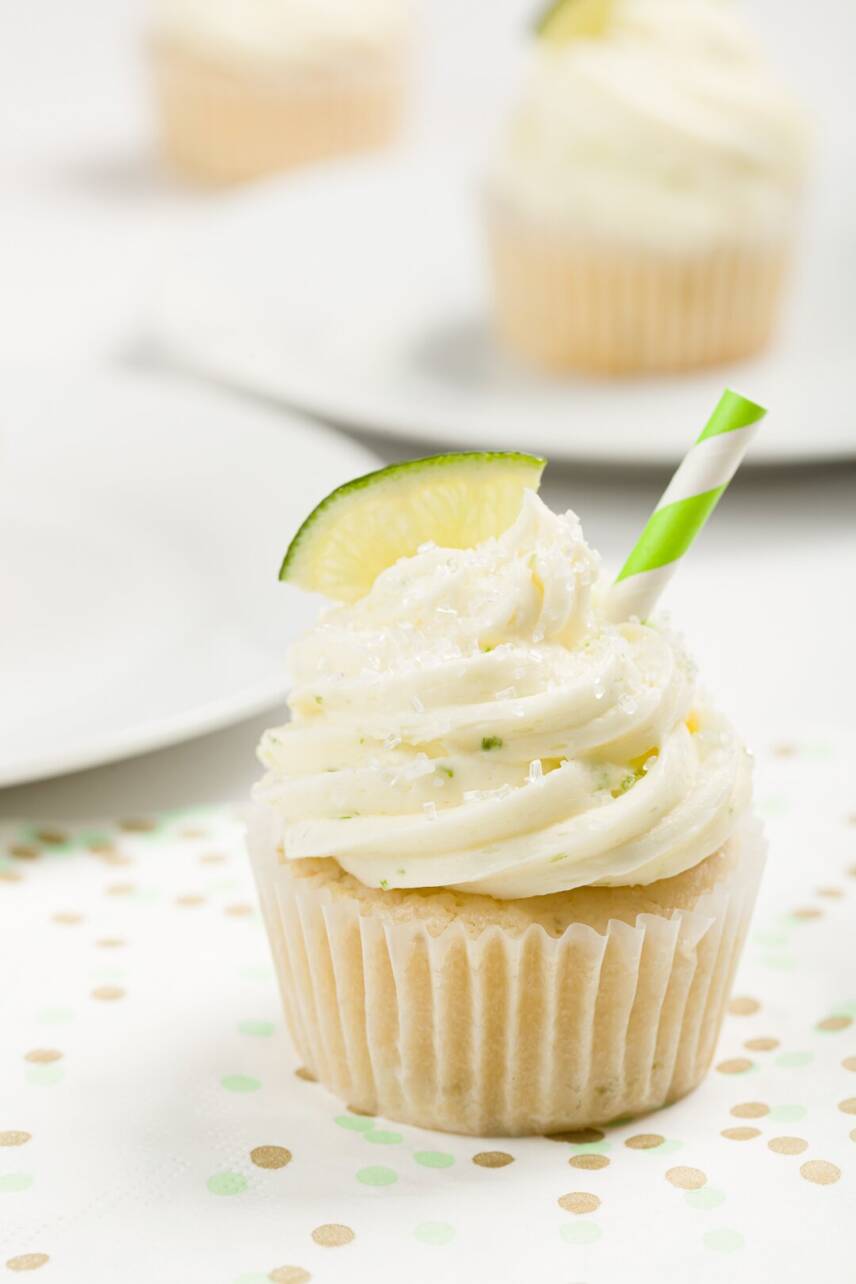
{"type": "Point", "coordinates": [463, 1013]}
{"type": "Point", "coordinates": [223, 123]}
{"type": "Point", "coordinates": [565, 304]}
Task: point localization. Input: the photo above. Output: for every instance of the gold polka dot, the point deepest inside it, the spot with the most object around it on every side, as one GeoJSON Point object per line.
{"type": "Point", "coordinates": [750, 1110]}
{"type": "Point", "coordinates": [740, 1134]}
{"type": "Point", "coordinates": [849, 1063]}
{"type": "Point", "coordinates": [110, 857]}
{"type": "Point", "coordinates": [213, 858]}
{"type": "Point", "coordinates": [101, 847]}
{"type": "Point", "coordinates": [579, 1201]}
{"type": "Point", "coordinates": [848, 1106]}
{"type": "Point", "coordinates": [14, 1138]}
{"type": "Point", "coordinates": [27, 1262]}
{"type": "Point", "coordinates": [762, 1044]}
{"type": "Point", "coordinates": [852, 870]}
{"type": "Point", "coordinates": [493, 1159]}
{"type": "Point", "coordinates": [193, 831]}
{"type": "Point", "coordinates": [238, 911]}
{"type": "Point", "coordinates": [787, 1145]}
{"type": "Point", "coordinates": [307, 1075]}
{"type": "Point", "coordinates": [52, 837]}
{"type": "Point", "coordinates": [43, 1056]}
{"type": "Point", "coordinates": [23, 851]}
{"type": "Point", "coordinates": [270, 1156]}
{"type": "Point", "coordinates": [332, 1235]}
{"type": "Point", "coordinates": [358, 1110]}
{"type": "Point", "coordinates": [289, 1275]}
{"type": "Point", "coordinates": [9, 876]}
{"type": "Point", "coordinates": [820, 1171]}
{"type": "Point", "coordinates": [138, 826]}
{"type": "Point", "coordinates": [806, 912]}
{"type": "Point", "coordinates": [645, 1141]}
{"type": "Point", "coordinates": [784, 750]}
{"type": "Point", "coordinates": [735, 1065]}
{"type": "Point", "coordinates": [108, 992]}
{"type": "Point", "coordinates": [589, 1162]}
{"type": "Point", "coordinates": [686, 1178]}
{"type": "Point", "coordinates": [189, 900]}
{"type": "Point", "coordinates": [853, 1134]}
{"type": "Point", "coordinates": [67, 917]}
{"type": "Point", "coordinates": [578, 1136]}
{"type": "Point", "coordinates": [110, 942]}
{"type": "Point", "coordinates": [835, 1023]}
{"type": "Point", "coordinates": [119, 889]}
{"type": "Point", "coordinates": [740, 1005]}
{"type": "Point", "coordinates": [832, 893]}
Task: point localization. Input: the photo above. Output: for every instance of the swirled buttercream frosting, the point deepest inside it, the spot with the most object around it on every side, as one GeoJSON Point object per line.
{"type": "Point", "coordinates": [474, 722]}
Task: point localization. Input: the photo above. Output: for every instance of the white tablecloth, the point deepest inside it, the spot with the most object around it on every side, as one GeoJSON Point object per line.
{"type": "Point", "coordinates": [156, 1126]}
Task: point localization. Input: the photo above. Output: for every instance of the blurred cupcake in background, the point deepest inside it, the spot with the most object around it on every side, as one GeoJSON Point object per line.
{"type": "Point", "coordinates": [250, 87]}
{"type": "Point", "coordinates": [644, 195]}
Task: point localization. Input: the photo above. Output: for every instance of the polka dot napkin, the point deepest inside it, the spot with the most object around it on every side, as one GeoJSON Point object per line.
{"type": "Point", "coordinates": [154, 1125]}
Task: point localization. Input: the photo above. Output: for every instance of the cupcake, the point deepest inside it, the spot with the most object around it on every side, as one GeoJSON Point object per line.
{"type": "Point", "coordinates": [504, 848]}
{"type": "Point", "coordinates": [642, 201]}
{"type": "Point", "coordinates": [250, 87]}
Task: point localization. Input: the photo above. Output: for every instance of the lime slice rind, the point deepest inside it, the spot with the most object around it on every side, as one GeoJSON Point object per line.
{"type": "Point", "coordinates": [364, 526]}
{"type": "Point", "coordinates": [564, 20]}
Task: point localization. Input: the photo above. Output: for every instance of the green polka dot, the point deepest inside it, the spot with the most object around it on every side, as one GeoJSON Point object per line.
{"type": "Point", "coordinates": [779, 962]}
{"type": "Point", "coordinates": [434, 1159]}
{"type": "Point", "coordinates": [705, 1199]}
{"type": "Point", "coordinates": [240, 1083]}
{"type": "Point", "coordinates": [724, 1240]}
{"type": "Point", "coordinates": [382, 1138]}
{"type": "Point", "coordinates": [590, 1147]}
{"type": "Point", "coordinates": [227, 1184]}
{"type": "Point", "coordinates": [44, 1076]}
{"type": "Point", "coordinates": [54, 1016]}
{"type": "Point", "coordinates": [356, 1123]}
{"type": "Point", "coordinates": [260, 1029]}
{"type": "Point", "coordinates": [845, 1009]}
{"type": "Point", "coordinates": [109, 973]}
{"type": "Point", "coordinates": [252, 1277]}
{"type": "Point", "coordinates": [377, 1175]}
{"type": "Point", "coordinates": [787, 1114]}
{"type": "Point", "coordinates": [668, 1147]}
{"type": "Point", "coordinates": [11, 1182]}
{"type": "Point", "coordinates": [434, 1233]}
{"type": "Point", "coordinates": [580, 1232]}
{"type": "Point", "coordinates": [770, 938]}
{"type": "Point", "coordinates": [794, 1060]}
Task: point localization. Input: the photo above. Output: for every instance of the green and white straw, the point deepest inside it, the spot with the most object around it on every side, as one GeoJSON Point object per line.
{"type": "Point", "coordinates": [687, 502]}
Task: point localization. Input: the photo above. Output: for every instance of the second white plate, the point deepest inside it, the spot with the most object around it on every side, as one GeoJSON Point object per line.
{"type": "Point", "coordinates": [142, 522]}
{"type": "Point", "coordinates": [358, 292]}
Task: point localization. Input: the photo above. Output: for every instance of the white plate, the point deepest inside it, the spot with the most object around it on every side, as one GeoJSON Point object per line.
{"type": "Point", "coordinates": [141, 524]}
{"type": "Point", "coordinates": [358, 293]}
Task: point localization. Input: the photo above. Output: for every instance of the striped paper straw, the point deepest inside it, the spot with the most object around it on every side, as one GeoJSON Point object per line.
{"type": "Point", "coordinates": [688, 501]}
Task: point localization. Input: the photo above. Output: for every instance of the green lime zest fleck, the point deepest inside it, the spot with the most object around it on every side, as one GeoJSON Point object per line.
{"type": "Point", "coordinates": [384, 884]}
{"type": "Point", "coordinates": [491, 742]}
{"type": "Point", "coordinates": [319, 699]}
{"type": "Point", "coordinates": [447, 771]}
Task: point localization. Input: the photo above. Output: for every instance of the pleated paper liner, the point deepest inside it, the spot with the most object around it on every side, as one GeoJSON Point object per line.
{"type": "Point", "coordinates": [569, 304]}
{"type": "Point", "coordinates": [223, 124]}
{"type": "Point", "coordinates": [493, 1031]}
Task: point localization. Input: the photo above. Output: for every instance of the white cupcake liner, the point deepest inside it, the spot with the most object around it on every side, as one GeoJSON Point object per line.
{"type": "Point", "coordinates": [497, 1034]}
{"type": "Point", "coordinates": [564, 302]}
{"type": "Point", "coordinates": [222, 123]}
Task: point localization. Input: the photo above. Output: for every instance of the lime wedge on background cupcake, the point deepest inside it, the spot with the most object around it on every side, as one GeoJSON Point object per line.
{"type": "Point", "coordinates": [569, 19]}
{"type": "Point", "coordinates": [364, 526]}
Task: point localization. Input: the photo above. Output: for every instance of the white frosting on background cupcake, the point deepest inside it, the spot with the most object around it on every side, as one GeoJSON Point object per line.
{"type": "Point", "coordinates": [303, 34]}
{"type": "Point", "coordinates": [668, 130]}
{"type": "Point", "coordinates": [474, 722]}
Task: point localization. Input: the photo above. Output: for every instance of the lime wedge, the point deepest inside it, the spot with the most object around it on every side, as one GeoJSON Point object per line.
{"type": "Point", "coordinates": [565, 20]}
{"type": "Point", "coordinates": [363, 527]}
